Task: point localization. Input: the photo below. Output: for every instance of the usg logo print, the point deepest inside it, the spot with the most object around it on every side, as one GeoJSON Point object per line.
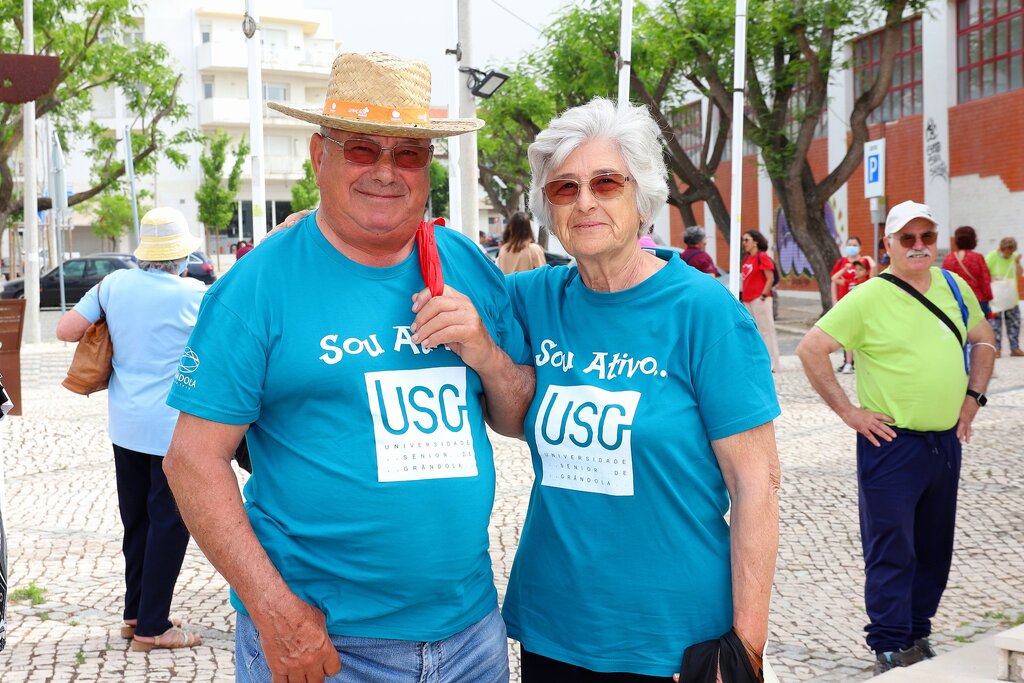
{"type": "Point", "coordinates": [584, 438]}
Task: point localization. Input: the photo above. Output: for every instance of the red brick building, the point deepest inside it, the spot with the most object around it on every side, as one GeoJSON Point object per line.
{"type": "Point", "coordinates": [953, 125]}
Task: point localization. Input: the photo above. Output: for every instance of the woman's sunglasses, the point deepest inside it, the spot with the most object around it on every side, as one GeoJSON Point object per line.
{"type": "Point", "coordinates": [908, 241]}
{"type": "Point", "coordinates": [367, 152]}
{"type": "Point", "coordinates": [603, 186]}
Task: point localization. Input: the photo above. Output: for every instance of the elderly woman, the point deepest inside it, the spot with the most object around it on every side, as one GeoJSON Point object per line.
{"type": "Point", "coordinates": [150, 312]}
{"type": "Point", "coordinates": [971, 266]}
{"type": "Point", "coordinates": [1004, 265]}
{"type": "Point", "coordinates": [653, 413]}
{"type": "Point", "coordinates": [519, 252]}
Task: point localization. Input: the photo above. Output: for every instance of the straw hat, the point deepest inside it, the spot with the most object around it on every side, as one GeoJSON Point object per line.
{"type": "Point", "coordinates": [380, 94]}
{"type": "Point", "coordinates": [164, 236]}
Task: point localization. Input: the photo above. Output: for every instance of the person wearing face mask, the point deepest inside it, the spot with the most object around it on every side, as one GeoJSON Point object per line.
{"type": "Point", "coordinates": [150, 312]}
{"type": "Point", "coordinates": [844, 276]}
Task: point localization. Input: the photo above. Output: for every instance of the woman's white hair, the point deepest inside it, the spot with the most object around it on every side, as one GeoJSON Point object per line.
{"type": "Point", "coordinates": [629, 127]}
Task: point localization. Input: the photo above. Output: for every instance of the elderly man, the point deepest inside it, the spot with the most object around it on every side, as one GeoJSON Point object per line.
{"type": "Point", "coordinates": [907, 329]}
{"type": "Point", "coordinates": [695, 255]}
{"type": "Point", "coordinates": [363, 541]}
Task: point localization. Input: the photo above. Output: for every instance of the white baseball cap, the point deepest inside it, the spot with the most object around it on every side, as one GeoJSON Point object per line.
{"type": "Point", "coordinates": [903, 213]}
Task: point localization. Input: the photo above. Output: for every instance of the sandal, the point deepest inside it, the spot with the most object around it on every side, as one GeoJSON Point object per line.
{"type": "Point", "coordinates": [171, 639]}
{"type": "Point", "coordinates": [128, 629]}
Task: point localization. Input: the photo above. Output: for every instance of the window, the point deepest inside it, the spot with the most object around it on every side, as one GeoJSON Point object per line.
{"type": "Point", "coordinates": [275, 92]}
{"type": "Point", "coordinates": [797, 108]}
{"type": "Point", "coordinates": [989, 47]}
{"type": "Point", "coordinates": [102, 267]}
{"type": "Point", "coordinates": [205, 33]}
{"type": "Point", "coordinates": [906, 91]}
{"type": "Point", "coordinates": [207, 87]}
{"type": "Point", "coordinates": [686, 122]}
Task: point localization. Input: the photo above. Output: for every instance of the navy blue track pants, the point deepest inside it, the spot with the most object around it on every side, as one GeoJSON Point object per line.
{"type": "Point", "coordinates": [155, 539]}
{"type": "Point", "coordinates": [907, 490]}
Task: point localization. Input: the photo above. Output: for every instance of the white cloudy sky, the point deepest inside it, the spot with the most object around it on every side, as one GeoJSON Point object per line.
{"type": "Point", "coordinates": [502, 31]}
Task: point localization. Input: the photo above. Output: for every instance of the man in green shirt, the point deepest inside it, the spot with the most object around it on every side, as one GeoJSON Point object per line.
{"type": "Point", "coordinates": [1004, 264]}
{"type": "Point", "coordinates": [917, 402]}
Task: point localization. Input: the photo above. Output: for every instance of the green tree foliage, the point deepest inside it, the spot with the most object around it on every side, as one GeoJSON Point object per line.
{"type": "Point", "coordinates": [93, 40]}
{"type": "Point", "coordinates": [514, 115]}
{"type": "Point", "coordinates": [113, 216]}
{"type": "Point", "coordinates": [793, 47]}
{"type": "Point", "coordinates": [438, 189]}
{"type": "Point", "coordinates": [306, 193]}
{"type": "Point", "coordinates": [215, 196]}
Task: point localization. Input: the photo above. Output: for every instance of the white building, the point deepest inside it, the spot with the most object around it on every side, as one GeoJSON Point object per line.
{"type": "Point", "coordinates": [205, 41]}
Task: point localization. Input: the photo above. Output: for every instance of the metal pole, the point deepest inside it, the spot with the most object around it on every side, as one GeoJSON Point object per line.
{"type": "Point", "coordinates": [129, 160]}
{"type": "Point", "coordinates": [31, 203]}
{"type": "Point", "coordinates": [469, 171]}
{"type": "Point", "coordinates": [736, 199]}
{"type": "Point", "coordinates": [454, 176]}
{"type": "Point", "coordinates": [259, 191]}
{"type": "Point", "coordinates": [60, 204]}
{"type": "Point", "coordinates": [625, 49]}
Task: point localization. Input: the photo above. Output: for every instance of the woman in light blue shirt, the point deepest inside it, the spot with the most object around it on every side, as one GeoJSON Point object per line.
{"type": "Point", "coordinates": [150, 312]}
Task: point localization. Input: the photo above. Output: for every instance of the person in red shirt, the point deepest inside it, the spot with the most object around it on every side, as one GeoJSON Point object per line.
{"type": "Point", "coordinates": [845, 266]}
{"type": "Point", "coordinates": [758, 272]}
{"type": "Point", "coordinates": [971, 266]}
{"type": "Point", "coordinates": [844, 277]}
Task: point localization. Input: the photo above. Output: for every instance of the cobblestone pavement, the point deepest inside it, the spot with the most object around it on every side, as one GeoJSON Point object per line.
{"type": "Point", "coordinates": [65, 540]}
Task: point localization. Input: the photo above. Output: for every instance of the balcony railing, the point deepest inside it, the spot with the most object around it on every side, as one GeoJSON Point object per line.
{"type": "Point", "coordinates": [233, 54]}
{"type": "Point", "coordinates": [229, 111]}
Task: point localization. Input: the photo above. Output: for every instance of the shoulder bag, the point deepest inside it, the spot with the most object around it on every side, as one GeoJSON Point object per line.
{"type": "Point", "coordinates": [1004, 290]}
{"type": "Point", "coordinates": [93, 362]}
{"type": "Point", "coordinates": [909, 289]}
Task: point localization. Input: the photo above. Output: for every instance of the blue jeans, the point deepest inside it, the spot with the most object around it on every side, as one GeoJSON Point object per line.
{"type": "Point", "coordinates": [478, 654]}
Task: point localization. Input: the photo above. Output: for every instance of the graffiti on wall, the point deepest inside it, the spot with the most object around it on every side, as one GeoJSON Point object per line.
{"type": "Point", "coordinates": [937, 167]}
{"type": "Point", "coordinates": [792, 260]}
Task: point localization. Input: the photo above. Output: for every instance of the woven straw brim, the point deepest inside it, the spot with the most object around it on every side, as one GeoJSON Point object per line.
{"type": "Point", "coordinates": [168, 248]}
{"type": "Point", "coordinates": [436, 128]}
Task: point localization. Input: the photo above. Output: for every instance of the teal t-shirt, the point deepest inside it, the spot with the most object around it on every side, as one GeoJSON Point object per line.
{"type": "Point", "coordinates": [373, 478]}
{"type": "Point", "coordinates": [624, 556]}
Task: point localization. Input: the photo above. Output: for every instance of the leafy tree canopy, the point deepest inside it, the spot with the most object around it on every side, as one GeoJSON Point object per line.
{"type": "Point", "coordinates": [94, 40]}
{"type": "Point", "coordinates": [216, 196]}
{"type": "Point", "coordinates": [305, 192]}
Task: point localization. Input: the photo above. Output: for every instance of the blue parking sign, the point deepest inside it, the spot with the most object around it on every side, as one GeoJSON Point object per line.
{"type": "Point", "coordinates": [874, 168]}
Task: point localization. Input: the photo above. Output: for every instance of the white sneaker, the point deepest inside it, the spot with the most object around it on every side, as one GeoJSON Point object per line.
{"type": "Point", "coordinates": [847, 369]}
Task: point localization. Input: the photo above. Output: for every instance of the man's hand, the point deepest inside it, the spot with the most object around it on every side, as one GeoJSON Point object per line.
{"type": "Point", "coordinates": [967, 412]}
{"type": "Point", "coordinates": [295, 642]}
{"type": "Point", "coordinates": [288, 222]}
{"type": "Point", "coordinates": [870, 424]}
{"type": "Point", "coordinates": [452, 320]}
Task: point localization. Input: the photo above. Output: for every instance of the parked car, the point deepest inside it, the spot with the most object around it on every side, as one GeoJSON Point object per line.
{"type": "Point", "coordinates": [200, 267]}
{"type": "Point", "coordinates": [551, 258]}
{"type": "Point", "coordinates": [80, 274]}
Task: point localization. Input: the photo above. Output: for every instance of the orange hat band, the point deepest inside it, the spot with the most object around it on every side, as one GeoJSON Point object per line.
{"type": "Point", "coordinates": [360, 111]}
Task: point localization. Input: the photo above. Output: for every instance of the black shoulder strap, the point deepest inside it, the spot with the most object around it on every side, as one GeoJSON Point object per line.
{"type": "Point", "coordinates": [686, 259]}
{"type": "Point", "coordinates": [909, 289]}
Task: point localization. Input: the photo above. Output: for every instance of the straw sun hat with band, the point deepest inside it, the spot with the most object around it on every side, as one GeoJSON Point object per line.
{"type": "Point", "coordinates": [380, 94]}
{"type": "Point", "coordinates": [164, 236]}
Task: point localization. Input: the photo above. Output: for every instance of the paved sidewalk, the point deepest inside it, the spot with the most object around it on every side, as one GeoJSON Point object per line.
{"type": "Point", "coordinates": [65, 537]}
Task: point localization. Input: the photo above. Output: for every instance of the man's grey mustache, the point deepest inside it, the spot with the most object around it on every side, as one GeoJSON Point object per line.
{"type": "Point", "coordinates": [918, 252]}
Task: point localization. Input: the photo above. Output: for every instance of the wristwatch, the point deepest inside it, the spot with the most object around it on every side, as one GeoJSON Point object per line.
{"type": "Point", "coordinates": [981, 398]}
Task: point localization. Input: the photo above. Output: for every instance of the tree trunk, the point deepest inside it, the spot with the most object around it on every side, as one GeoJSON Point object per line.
{"type": "Point", "coordinates": [807, 223]}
